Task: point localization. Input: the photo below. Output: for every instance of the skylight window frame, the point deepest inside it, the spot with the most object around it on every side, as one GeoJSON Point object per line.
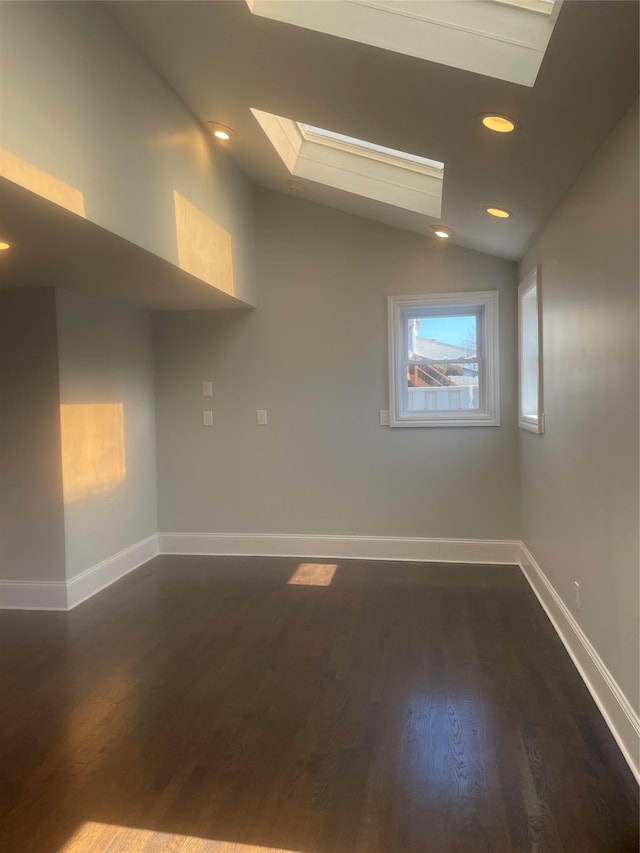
{"type": "Point", "coordinates": [539, 7]}
{"type": "Point", "coordinates": [401, 160]}
{"type": "Point", "coordinates": [376, 176]}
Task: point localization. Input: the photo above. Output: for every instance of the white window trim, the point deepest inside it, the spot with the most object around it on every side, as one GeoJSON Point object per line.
{"type": "Point", "coordinates": [531, 423]}
{"type": "Point", "coordinates": [489, 412]}
{"type": "Point", "coordinates": [542, 7]}
{"type": "Point", "coordinates": [400, 159]}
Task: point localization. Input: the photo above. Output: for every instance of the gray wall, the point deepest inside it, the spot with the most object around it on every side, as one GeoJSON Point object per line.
{"type": "Point", "coordinates": [31, 509]}
{"type": "Point", "coordinates": [580, 479]}
{"type": "Point", "coordinates": [108, 427]}
{"type": "Point", "coordinates": [315, 356]}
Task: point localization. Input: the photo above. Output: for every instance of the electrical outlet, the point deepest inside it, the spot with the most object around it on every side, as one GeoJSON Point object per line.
{"type": "Point", "coordinates": [261, 417]}
{"type": "Point", "coordinates": [207, 389]}
{"type": "Point", "coordinates": [207, 418]}
{"type": "Point", "coordinates": [576, 589]}
{"type": "Point", "coordinates": [384, 417]}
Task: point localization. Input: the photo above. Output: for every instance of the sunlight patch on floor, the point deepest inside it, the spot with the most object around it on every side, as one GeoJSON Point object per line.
{"type": "Point", "coordinates": [313, 574]}
{"type": "Point", "coordinates": [93, 837]}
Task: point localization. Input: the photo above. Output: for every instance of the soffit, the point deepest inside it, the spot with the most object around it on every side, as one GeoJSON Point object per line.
{"type": "Point", "coordinates": [55, 247]}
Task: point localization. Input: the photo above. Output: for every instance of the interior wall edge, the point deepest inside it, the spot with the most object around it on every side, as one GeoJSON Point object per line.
{"type": "Point", "coordinates": [58, 595]}
{"type": "Point", "coordinates": [98, 577]}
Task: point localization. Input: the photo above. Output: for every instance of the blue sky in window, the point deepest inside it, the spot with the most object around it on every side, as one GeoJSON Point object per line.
{"type": "Point", "coordinates": [449, 330]}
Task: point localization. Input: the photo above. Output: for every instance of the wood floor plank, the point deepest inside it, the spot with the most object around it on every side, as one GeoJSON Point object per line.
{"type": "Point", "coordinates": [206, 705]}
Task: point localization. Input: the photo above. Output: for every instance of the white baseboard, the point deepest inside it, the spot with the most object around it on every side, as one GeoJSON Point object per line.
{"type": "Point", "coordinates": [33, 595]}
{"type": "Point", "coordinates": [341, 547]}
{"type": "Point", "coordinates": [103, 574]}
{"type": "Point", "coordinates": [614, 706]}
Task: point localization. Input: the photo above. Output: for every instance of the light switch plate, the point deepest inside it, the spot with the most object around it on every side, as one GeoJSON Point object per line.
{"type": "Point", "coordinates": [261, 416]}
{"type": "Point", "coordinates": [207, 389]}
{"type": "Point", "coordinates": [207, 418]}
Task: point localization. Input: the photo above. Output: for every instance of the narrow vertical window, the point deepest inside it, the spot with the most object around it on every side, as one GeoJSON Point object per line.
{"type": "Point", "coordinates": [531, 416]}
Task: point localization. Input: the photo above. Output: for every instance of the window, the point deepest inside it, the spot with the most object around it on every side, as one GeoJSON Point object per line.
{"type": "Point", "coordinates": [356, 166]}
{"type": "Point", "coordinates": [443, 360]}
{"type": "Point", "coordinates": [530, 354]}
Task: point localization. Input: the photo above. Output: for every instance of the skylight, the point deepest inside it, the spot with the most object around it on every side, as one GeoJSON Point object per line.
{"type": "Point", "coordinates": [356, 166]}
{"type": "Point", "coordinates": [363, 147]}
{"type": "Point", "coordinates": [544, 7]}
{"type": "Point", "coordinates": [505, 39]}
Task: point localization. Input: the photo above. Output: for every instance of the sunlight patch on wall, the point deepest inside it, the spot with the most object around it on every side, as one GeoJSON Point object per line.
{"type": "Point", "coordinates": [93, 452]}
{"type": "Point", "coordinates": [313, 574]}
{"type": "Point", "coordinates": [34, 179]}
{"type": "Point", "coordinates": [93, 837]}
{"type": "Point", "coordinates": [204, 248]}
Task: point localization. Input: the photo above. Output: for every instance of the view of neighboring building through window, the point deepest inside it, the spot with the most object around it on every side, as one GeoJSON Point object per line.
{"type": "Point", "coordinates": [442, 366]}
{"type": "Point", "coordinates": [443, 360]}
{"type": "Point", "coordinates": [530, 365]}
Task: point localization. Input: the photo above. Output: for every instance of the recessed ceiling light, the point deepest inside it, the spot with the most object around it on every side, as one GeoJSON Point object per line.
{"type": "Point", "coordinates": [4, 245]}
{"type": "Point", "coordinates": [220, 131]}
{"type": "Point", "coordinates": [441, 231]}
{"type": "Point", "coordinates": [498, 212]}
{"type": "Point", "coordinates": [499, 124]}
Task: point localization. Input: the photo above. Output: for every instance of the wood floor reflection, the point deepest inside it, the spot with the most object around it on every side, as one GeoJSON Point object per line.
{"type": "Point", "coordinates": [206, 704]}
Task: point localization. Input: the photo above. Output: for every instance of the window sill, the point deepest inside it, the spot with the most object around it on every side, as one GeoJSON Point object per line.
{"type": "Point", "coordinates": [481, 420]}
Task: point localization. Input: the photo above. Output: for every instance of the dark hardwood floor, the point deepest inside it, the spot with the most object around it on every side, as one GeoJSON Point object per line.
{"type": "Point", "coordinates": [204, 704]}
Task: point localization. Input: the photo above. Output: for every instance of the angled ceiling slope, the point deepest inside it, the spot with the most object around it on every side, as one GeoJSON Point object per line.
{"type": "Point", "coordinates": [223, 61]}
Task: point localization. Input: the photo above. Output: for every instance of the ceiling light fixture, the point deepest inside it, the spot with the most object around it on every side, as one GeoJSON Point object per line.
{"type": "Point", "coordinates": [497, 123]}
{"type": "Point", "coordinates": [220, 131]}
{"type": "Point", "coordinates": [498, 212]}
{"type": "Point", "coordinates": [442, 232]}
{"type": "Point", "coordinates": [4, 245]}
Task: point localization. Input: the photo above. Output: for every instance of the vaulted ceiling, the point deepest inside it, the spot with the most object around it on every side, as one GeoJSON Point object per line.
{"type": "Point", "coordinates": [223, 60]}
